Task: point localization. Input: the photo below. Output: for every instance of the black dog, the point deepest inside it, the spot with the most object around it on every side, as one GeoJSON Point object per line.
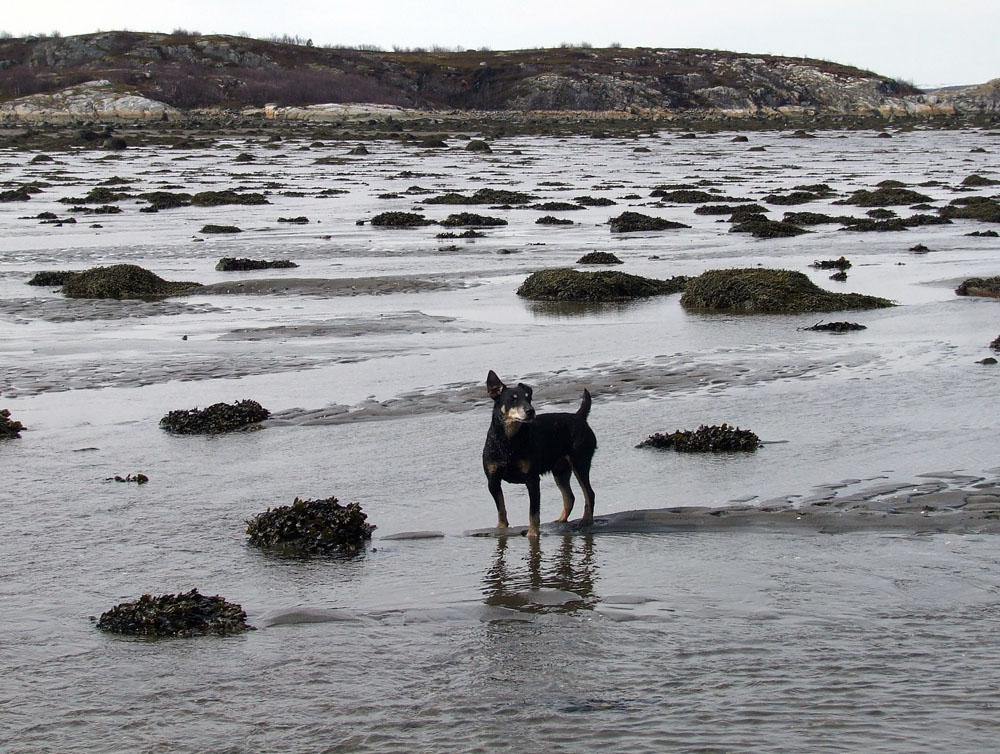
{"type": "Point", "coordinates": [521, 446]}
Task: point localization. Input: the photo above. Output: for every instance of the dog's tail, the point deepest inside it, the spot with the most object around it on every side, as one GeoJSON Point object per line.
{"type": "Point", "coordinates": [584, 411]}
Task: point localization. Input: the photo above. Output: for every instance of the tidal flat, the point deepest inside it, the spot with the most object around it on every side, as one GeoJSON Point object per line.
{"type": "Point", "coordinates": [834, 590]}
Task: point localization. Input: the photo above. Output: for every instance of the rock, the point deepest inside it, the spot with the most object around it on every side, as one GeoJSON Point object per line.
{"type": "Point", "coordinates": [564, 284]}
{"type": "Point", "coordinates": [982, 208]}
{"type": "Point", "coordinates": [836, 327]}
{"type": "Point", "coordinates": [556, 207]}
{"type": "Point", "coordinates": [9, 429]}
{"type": "Point", "coordinates": [762, 290]}
{"type": "Point", "coordinates": [233, 264]}
{"type": "Point", "coordinates": [705, 439]}
{"type": "Point", "coordinates": [472, 220]}
{"type": "Point", "coordinates": [165, 200]}
{"type": "Point", "coordinates": [632, 222]}
{"type": "Point", "coordinates": [122, 281]}
{"type": "Point", "coordinates": [226, 197]}
{"type": "Point", "coordinates": [311, 527]}
{"type": "Point", "coordinates": [832, 264]}
{"type": "Point", "coordinates": [219, 229]}
{"type": "Point", "coordinates": [762, 227]}
{"type": "Point", "coordinates": [482, 196]}
{"type": "Point", "coordinates": [989, 287]}
{"type": "Point", "coordinates": [995, 343]}
{"type": "Point", "coordinates": [919, 249]}
{"type": "Point", "coordinates": [886, 196]}
{"type": "Point", "coordinates": [93, 100]}
{"type": "Point", "coordinates": [477, 145]}
{"type": "Point", "coordinates": [988, 361]}
{"type": "Point", "coordinates": [975, 180]}
{"type": "Point", "coordinates": [599, 257]}
{"type": "Point", "coordinates": [400, 220]}
{"type": "Point", "coordinates": [361, 149]}
{"type": "Point", "coordinates": [53, 278]}
{"type": "Point", "coordinates": [216, 419]}
{"type": "Point", "coordinates": [592, 201]}
{"type": "Point", "coordinates": [175, 615]}
{"type": "Point", "coordinates": [551, 220]}
{"type": "Point", "coordinates": [301, 220]}
{"type": "Point", "coordinates": [465, 234]}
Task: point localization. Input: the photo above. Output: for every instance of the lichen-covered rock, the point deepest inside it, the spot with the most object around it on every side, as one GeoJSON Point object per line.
{"type": "Point", "coordinates": [175, 615]}
{"type": "Point", "coordinates": [53, 278]}
{"type": "Point", "coordinates": [400, 220]}
{"type": "Point", "coordinates": [242, 264]}
{"type": "Point", "coordinates": [980, 287]}
{"type": "Point", "coordinates": [311, 527]}
{"type": "Point", "coordinates": [631, 222]}
{"type": "Point", "coordinates": [9, 428]}
{"type": "Point", "coordinates": [123, 281]}
{"type": "Point", "coordinates": [764, 291]}
{"type": "Point", "coordinates": [217, 418]}
{"type": "Point", "coordinates": [705, 439]}
{"type": "Point", "coordinates": [564, 284]}
{"type": "Point", "coordinates": [599, 257]}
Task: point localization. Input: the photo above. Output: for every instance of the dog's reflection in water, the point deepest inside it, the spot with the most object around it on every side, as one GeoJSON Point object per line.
{"type": "Point", "coordinates": [530, 582]}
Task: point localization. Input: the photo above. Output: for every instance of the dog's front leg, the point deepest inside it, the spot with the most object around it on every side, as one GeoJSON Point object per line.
{"type": "Point", "coordinates": [534, 504]}
{"type": "Point", "coordinates": [493, 484]}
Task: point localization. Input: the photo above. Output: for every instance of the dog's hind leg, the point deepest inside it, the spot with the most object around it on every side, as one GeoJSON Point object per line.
{"type": "Point", "coordinates": [562, 482]}
{"type": "Point", "coordinates": [582, 472]}
{"type": "Point", "coordinates": [493, 483]}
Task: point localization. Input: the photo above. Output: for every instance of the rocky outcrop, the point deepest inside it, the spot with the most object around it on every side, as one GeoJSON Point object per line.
{"type": "Point", "coordinates": [94, 100]}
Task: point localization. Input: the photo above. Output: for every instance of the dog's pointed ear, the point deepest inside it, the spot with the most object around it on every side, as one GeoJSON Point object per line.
{"type": "Point", "coordinates": [494, 386]}
{"type": "Point", "coordinates": [526, 389]}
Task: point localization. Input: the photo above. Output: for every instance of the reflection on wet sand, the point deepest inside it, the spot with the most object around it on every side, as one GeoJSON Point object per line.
{"type": "Point", "coordinates": [562, 582]}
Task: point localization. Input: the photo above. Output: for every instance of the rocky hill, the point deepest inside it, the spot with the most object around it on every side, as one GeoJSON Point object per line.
{"type": "Point", "coordinates": [169, 73]}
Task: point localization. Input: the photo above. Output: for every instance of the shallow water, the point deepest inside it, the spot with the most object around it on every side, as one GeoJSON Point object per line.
{"type": "Point", "coordinates": [641, 640]}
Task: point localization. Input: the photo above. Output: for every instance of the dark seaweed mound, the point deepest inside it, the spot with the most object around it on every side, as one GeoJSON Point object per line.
{"type": "Point", "coordinates": [599, 257]}
{"type": "Point", "coordinates": [762, 227]}
{"type": "Point", "coordinates": [228, 196]}
{"type": "Point", "coordinates": [564, 284]}
{"type": "Point", "coordinates": [190, 614]}
{"type": "Point", "coordinates": [482, 196]}
{"type": "Point", "coordinates": [886, 196]}
{"type": "Point", "coordinates": [210, 228]}
{"type": "Point", "coordinates": [9, 428]}
{"type": "Point", "coordinates": [471, 220]}
{"type": "Point", "coordinates": [981, 208]}
{"type": "Point", "coordinates": [53, 278]}
{"type": "Point", "coordinates": [980, 287]}
{"type": "Point", "coordinates": [242, 264]}
{"type": "Point", "coordinates": [704, 440]}
{"type": "Point", "coordinates": [769, 291]}
{"type": "Point", "coordinates": [400, 220]}
{"type": "Point", "coordinates": [832, 264]}
{"type": "Point", "coordinates": [217, 418]}
{"type": "Point", "coordinates": [311, 527]}
{"type": "Point", "coordinates": [122, 281]}
{"type": "Point", "coordinates": [552, 220]}
{"type": "Point", "coordinates": [835, 327]}
{"type": "Point", "coordinates": [630, 222]}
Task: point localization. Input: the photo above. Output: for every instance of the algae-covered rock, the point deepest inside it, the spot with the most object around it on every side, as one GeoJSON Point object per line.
{"type": "Point", "coordinates": [835, 327]}
{"type": "Point", "coordinates": [226, 197]}
{"type": "Point", "coordinates": [242, 264]}
{"type": "Point", "coordinates": [217, 418]}
{"type": "Point", "coordinates": [175, 615]}
{"type": "Point", "coordinates": [631, 222]}
{"type": "Point", "coordinates": [763, 291]}
{"type": "Point", "coordinates": [832, 264]}
{"type": "Point", "coordinates": [9, 428]}
{"type": "Point", "coordinates": [705, 439]}
{"type": "Point", "coordinates": [400, 220]}
{"type": "Point", "coordinates": [599, 257]}
{"type": "Point", "coordinates": [158, 200]}
{"type": "Point", "coordinates": [885, 196]}
{"type": "Point", "coordinates": [553, 220]}
{"type": "Point", "coordinates": [311, 527]}
{"type": "Point", "coordinates": [982, 208]}
{"type": "Point", "coordinates": [219, 229]}
{"type": "Point", "coordinates": [53, 278]}
{"type": "Point", "coordinates": [472, 220]}
{"type": "Point", "coordinates": [989, 287]}
{"type": "Point", "coordinates": [482, 196]}
{"type": "Point", "coordinates": [762, 227]}
{"type": "Point", "coordinates": [564, 284]}
{"type": "Point", "coordinates": [123, 281]}
{"type": "Point", "coordinates": [477, 145]}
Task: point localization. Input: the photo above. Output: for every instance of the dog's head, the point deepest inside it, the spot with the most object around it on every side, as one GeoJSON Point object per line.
{"type": "Point", "coordinates": [512, 405]}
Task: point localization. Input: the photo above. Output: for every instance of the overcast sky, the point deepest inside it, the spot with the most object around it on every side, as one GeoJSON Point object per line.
{"type": "Point", "coordinates": [927, 42]}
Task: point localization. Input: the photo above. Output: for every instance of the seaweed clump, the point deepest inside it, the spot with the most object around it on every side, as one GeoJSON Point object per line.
{"type": "Point", "coordinates": [471, 220]}
{"type": "Point", "coordinates": [210, 228]}
{"type": "Point", "coordinates": [216, 419]}
{"type": "Point", "coordinates": [123, 281]}
{"type": "Point", "coordinates": [705, 439]}
{"type": "Point", "coordinates": [599, 257]}
{"type": "Point", "coordinates": [9, 429]}
{"type": "Point", "coordinates": [758, 291]}
{"type": "Point", "coordinates": [631, 222]}
{"type": "Point", "coordinates": [832, 264]}
{"type": "Point", "coordinates": [242, 264]}
{"type": "Point", "coordinates": [564, 284]}
{"type": "Point", "coordinates": [835, 327]}
{"type": "Point", "coordinates": [311, 527]}
{"type": "Point", "coordinates": [53, 278]}
{"type": "Point", "coordinates": [482, 196]}
{"type": "Point", "coordinates": [168, 615]}
{"type": "Point", "coordinates": [762, 227]}
{"type": "Point", "coordinates": [885, 196]}
{"type": "Point", "coordinates": [400, 220]}
{"type": "Point", "coordinates": [980, 287]}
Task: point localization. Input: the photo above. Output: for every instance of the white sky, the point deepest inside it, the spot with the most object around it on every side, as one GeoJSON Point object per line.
{"type": "Point", "coordinates": [927, 42]}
